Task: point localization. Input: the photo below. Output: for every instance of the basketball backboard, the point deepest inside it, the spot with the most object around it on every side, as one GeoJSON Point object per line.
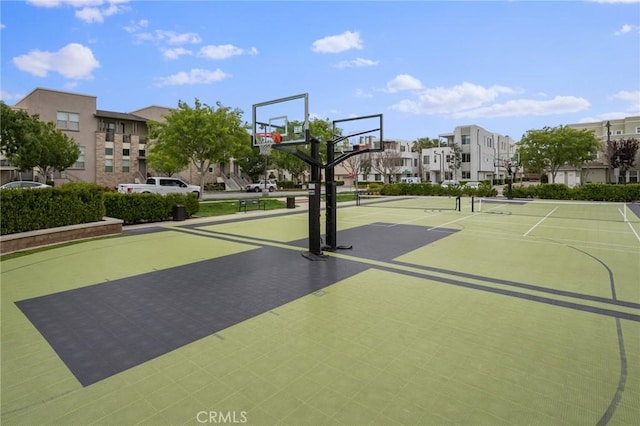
{"type": "Point", "coordinates": [507, 160]}
{"type": "Point", "coordinates": [358, 133]}
{"type": "Point", "coordinates": [281, 121]}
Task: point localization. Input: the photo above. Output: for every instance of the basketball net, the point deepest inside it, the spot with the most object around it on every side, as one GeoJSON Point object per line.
{"type": "Point", "coordinates": [266, 141]}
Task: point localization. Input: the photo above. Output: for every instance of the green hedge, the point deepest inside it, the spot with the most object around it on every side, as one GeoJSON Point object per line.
{"type": "Point", "coordinates": [32, 209]}
{"type": "Point", "coordinates": [485, 189]}
{"type": "Point", "coordinates": [590, 191]}
{"type": "Point", "coordinates": [138, 208]}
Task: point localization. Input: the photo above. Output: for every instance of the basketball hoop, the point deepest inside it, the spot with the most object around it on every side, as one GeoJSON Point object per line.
{"type": "Point", "coordinates": [264, 141]}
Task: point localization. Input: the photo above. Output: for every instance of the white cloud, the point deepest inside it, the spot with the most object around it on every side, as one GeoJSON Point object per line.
{"type": "Point", "coordinates": [136, 26]}
{"type": "Point", "coordinates": [176, 53]}
{"type": "Point", "coordinates": [2, 26]}
{"type": "Point", "coordinates": [403, 82]}
{"type": "Point", "coordinates": [169, 37]}
{"type": "Point", "coordinates": [526, 107]}
{"type": "Point", "coordinates": [616, 1]}
{"type": "Point", "coordinates": [362, 94]}
{"type": "Point", "coordinates": [224, 51]}
{"type": "Point", "coordinates": [449, 100]}
{"type": "Point", "coordinates": [338, 43]}
{"type": "Point", "coordinates": [356, 63]}
{"type": "Point", "coordinates": [73, 61]}
{"type": "Point", "coordinates": [10, 97]}
{"type": "Point", "coordinates": [195, 76]}
{"type": "Point", "coordinates": [626, 28]}
{"type": "Point", "coordinates": [632, 98]}
{"type": "Point", "coordinates": [89, 10]}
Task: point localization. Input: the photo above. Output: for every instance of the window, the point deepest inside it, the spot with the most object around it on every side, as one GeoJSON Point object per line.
{"type": "Point", "coordinates": [466, 157]}
{"type": "Point", "coordinates": [68, 121]}
{"type": "Point", "coordinates": [415, 162]}
{"type": "Point", "coordinates": [402, 148]}
{"type": "Point", "coordinates": [466, 175]}
{"type": "Point", "coordinates": [142, 153]}
{"type": "Point", "coordinates": [425, 159]}
{"type": "Point", "coordinates": [618, 132]}
{"type": "Point", "coordinates": [377, 177]}
{"type": "Point", "coordinates": [80, 161]}
{"type": "Point", "coordinates": [125, 152]}
{"type": "Point", "coordinates": [633, 176]}
{"type": "Point", "coordinates": [466, 139]}
{"type": "Point", "coordinates": [108, 165]}
{"type": "Point", "coordinates": [125, 166]}
{"type": "Point", "coordinates": [489, 142]}
{"type": "Point", "coordinates": [108, 151]}
{"type": "Point", "coordinates": [638, 130]}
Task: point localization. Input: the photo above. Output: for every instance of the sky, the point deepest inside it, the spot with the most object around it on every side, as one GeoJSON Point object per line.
{"type": "Point", "coordinates": [427, 66]}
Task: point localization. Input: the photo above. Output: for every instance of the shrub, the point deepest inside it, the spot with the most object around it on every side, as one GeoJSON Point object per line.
{"type": "Point", "coordinates": [31, 209]}
{"type": "Point", "coordinates": [138, 208]}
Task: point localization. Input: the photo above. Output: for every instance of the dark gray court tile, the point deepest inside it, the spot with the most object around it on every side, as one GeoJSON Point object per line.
{"type": "Point", "coordinates": [103, 329]}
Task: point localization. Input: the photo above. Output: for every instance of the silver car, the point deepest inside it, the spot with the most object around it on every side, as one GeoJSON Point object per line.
{"type": "Point", "coordinates": [24, 184]}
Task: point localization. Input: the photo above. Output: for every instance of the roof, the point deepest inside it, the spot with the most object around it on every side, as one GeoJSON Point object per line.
{"type": "Point", "coordinates": [119, 115]}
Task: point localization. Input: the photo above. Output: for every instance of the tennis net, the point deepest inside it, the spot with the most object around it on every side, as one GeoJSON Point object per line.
{"type": "Point", "coordinates": [587, 210]}
{"type": "Point", "coordinates": [420, 202]}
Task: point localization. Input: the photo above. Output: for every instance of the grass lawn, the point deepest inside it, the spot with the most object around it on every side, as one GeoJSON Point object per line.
{"type": "Point", "coordinates": [230, 206]}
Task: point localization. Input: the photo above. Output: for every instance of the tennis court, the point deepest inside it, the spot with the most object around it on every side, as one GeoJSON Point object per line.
{"type": "Point", "coordinates": [441, 313]}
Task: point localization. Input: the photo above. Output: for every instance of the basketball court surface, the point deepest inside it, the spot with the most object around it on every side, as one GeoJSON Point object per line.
{"type": "Point", "coordinates": [514, 313]}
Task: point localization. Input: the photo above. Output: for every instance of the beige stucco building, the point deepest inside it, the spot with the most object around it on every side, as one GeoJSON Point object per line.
{"type": "Point", "coordinates": [113, 145]}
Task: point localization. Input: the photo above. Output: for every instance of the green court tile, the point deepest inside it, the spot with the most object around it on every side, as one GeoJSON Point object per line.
{"type": "Point", "coordinates": [258, 390]}
{"type": "Point", "coordinates": [307, 415]}
{"type": "Point", "coordinates": [354, 413]}
{"type": "Point", "coordinates": [211, 394]}
{"type": "Point", "coordinates": [128, 415]}
{"type": "Point", "coordinates": [280, 405]}
{"type": "Point", "coordinates": [239, 378]}
{"type": "Point", "coordinates": [328, 401]}
{"type": "Point", "coordinates": [182, 411]}
{"type": "Point", "coordinates": [258, 416]}
{"type": "Point", "coordinates": [235, 402]}
{"type": "Point", "coordinates": [165, 396]}
{"type": "Point", "coordinates": [373, 398]}
{"type": "Point", "coordinates": [303, 388]}
{"type": "Point", "coordinates": [407, 413]}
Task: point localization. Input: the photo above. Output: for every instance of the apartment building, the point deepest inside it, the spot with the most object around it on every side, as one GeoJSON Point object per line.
{"type": "Point", "coordinates": [396, 163]}
{"type": "Point", "coordinates": [481, 152]}
{"type": "Point", "coordinates": [113, 145]}
{"type": "Point", "coordinates": [599, 169]}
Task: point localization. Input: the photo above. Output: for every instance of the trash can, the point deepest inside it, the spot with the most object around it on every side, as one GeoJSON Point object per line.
{"type": "Point", "coordinates": [291, 202]}
{"type": "Point", "coordinates": [179, 212]}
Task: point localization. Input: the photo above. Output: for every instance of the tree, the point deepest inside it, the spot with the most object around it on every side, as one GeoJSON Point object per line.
{"type": "Point", "coordinates": [162, 159]}
{"type": "Point", "coordinates": [553, 147]}
{"type": "Point", "coordinates": [454, 159]}
{"type": "Point", "coordinates": [252, 163]}
{"type": "Point", "coordinates": [622, 155]}
{"type": "Point", "coordinates": [202, 135]}
{"type": "Point", "coordinates": [353, 165]}
{"type": "Point", "coordinates": [319, 129]}
{"type": "Point", "coordinates": [424, 143]}
{"type": "Point", "coordinates": [387, 163]}
{"type": "Point", "coordinates": [29, 143]}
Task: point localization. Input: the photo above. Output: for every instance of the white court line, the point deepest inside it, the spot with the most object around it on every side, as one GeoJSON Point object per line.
{"type": "Point", "coordinates": [448, 223]}
{"type": "Point", "coordinates": [629, 223]}
{"type": "Point", "coordinates": [539, 222]}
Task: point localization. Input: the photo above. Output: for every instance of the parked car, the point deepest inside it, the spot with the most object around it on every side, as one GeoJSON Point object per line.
{"type": "Point", "coordinates": [259, 186]}
{"type": "Point", "coordinates": [473, 185]}
{"type": "Point", "coordinates": [24, 184]}
{"type": "Point", "coordinates": [159, 185]}
{"type": "Point", "coordinates": [448, 183]}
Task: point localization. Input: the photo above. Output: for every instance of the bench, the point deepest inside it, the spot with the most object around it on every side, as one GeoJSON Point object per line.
{"type": "Point", "coordinates": [251, 204]}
